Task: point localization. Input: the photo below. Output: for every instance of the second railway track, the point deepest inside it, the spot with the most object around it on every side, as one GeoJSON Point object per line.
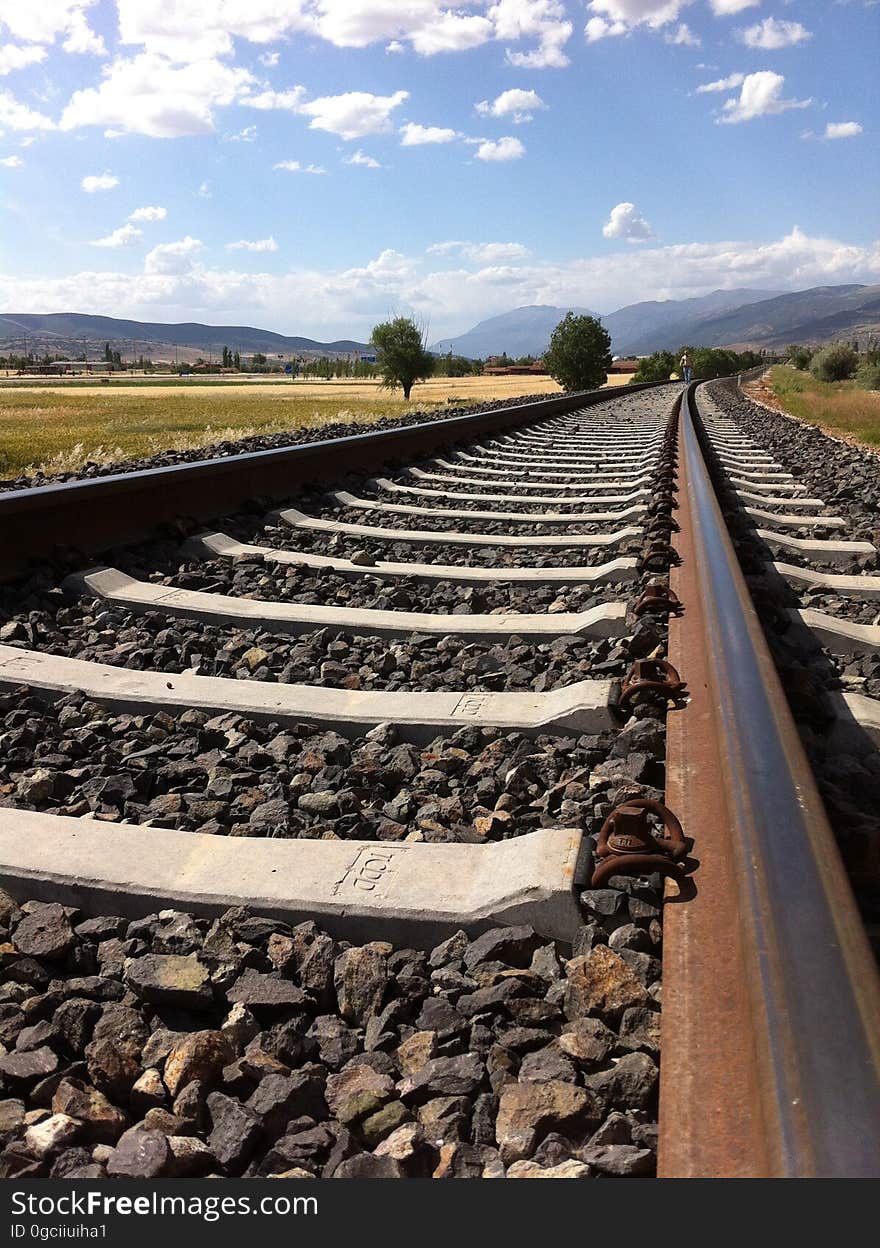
{"type": "Point", "coordinates": [435, 708]}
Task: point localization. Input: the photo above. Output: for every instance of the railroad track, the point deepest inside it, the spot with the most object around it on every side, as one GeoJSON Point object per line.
{"type": "Point", "coordinates": [465, 701]}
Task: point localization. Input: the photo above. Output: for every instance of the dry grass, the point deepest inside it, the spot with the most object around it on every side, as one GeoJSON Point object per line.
{"type": "Point", "coordinates": [59, 428]}
{"type": "Point", "coordinates": [837, 407]}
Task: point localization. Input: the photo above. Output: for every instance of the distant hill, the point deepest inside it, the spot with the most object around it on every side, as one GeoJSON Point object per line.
{"type": "Point", "coordinates": [808, 316]}
{"type": "Point", "coordinates": [724, 318]}
{"type": "Point", "coordinates": [524, 331]}
{"type": "Point", "coordinates": [639, 323]}
{"type": "Point", "coordinates": [65, 331]}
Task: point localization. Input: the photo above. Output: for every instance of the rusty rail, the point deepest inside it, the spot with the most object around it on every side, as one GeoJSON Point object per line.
{"type": "Point", "coordinates": [771, 1003]}
{"type": "Point", "coordinates": [102, 512]}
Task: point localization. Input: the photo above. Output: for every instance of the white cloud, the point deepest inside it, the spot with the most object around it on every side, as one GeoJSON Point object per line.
{"type": "Point", "coordinates": [42, 21]}
{"type": "Point", "coordinates": [617, 17]}
{"type": "Point", "coordinates": [597, 28]}
{"type": "Point", "coordinates": [149, 95]}
{"type": "Point", "coordinates": [760, 96]}
{"type": "Point", "coordinates": [93, 182]}
{"type": "Point", "coordinates": [269, 59]}
{"type": "Point", "coordinates": [542, 20]}
{"type": "Point", "coordinates": [345, 303]}
{"type": "Point", "coordinates": [842, 129]}
{"type": "Point", "coordinates": [12, 162]}
{"type": "Point", "coordinates": [684, 37]}
{"type": "Point", "coordinates": [507, 148]}
{"type": "Point", "coordinates": [294, 166]}
{"type": "Point", "coordinates": [13, 57]}
{"type": "Point", "coordinates": [81, 38]}
{"type": "Point", "coordinates": [290, 100]}
{"type": "Point", "coordinates": [625, 221]}
{"type": "Point", "coordinates": [247, 135]}
{"type": "Point", "coordinates": [197, 29]}
{"type": "Point", "coordinates": [125, 236]}
{"type": "Point", "coordinates": [771, 34]}
{"type": "Point", "coordinates": [395, 47]}
{"type": "Point", "coordinates": [204, 191]}
{"type": "Point", "coordinates": [172, 259]}
{"type": "Point", "coordinates": [481, 253]}
{"type": "Point", "coordinates": [354, 114]}
{"type": "Point", "coordinates": [414, 135]}
{"type": "Point", "coordinates": [260, 244]}
{"type": "Point", "coordinates": [722, 84]}
{"type": "Point", "coordinates": [17, 116]}
{"type": "Point", "coordinates": [148, 214]}
{"type": "Point", "coordinates": [517, 104]}
{"type": "Point", "coordinates": [362, 159]}
{"type": "Point", "coordinates": [724, 8]}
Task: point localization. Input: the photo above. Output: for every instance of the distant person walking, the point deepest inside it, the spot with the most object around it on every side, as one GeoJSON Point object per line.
{"type": "Point", "coordinates": [686, 364]}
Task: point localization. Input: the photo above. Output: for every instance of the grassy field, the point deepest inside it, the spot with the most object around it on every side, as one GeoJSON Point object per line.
{"type": "Point", "coordinates": [837, 407]}
{"type": "Point", "coordinates": [60, 427]}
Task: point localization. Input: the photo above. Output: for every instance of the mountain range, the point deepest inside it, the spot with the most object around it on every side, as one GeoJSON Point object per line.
{"type": "Point", "coordinates": [729, 318]}
{"type": "Point", "coordinates": [65, 331]}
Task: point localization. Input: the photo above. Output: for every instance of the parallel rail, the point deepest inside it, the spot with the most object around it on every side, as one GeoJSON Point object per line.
{"type": "Point", "coordinates": [96, 514]}
{"type": "Point", "coordinates": [771, 1038]}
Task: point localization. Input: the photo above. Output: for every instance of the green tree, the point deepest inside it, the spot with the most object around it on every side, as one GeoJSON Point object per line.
{"type": "Point", "coordinates": [657, 367]}
{"type": "Point", "coordinates": [579, 355]}
{"type": "Point", "coordinates": [402, 354]}
{"type": "Point", "coordinates": [798, 356]}
{"type": "Point", "coordinates": [836, 362]}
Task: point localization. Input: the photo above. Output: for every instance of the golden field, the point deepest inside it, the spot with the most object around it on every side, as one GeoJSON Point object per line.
{"type": "Point", "coordinates": [60, 426]}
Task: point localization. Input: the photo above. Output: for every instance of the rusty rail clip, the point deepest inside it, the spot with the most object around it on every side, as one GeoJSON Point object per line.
{"type": "Point", "coordinates": [658, 557]}
{"type": "Point", "coordinates": [657, 598]}
{"type": "Point", "coordinates": [650, 676]}
{"type": "Point", "coordinates": [627, 846]}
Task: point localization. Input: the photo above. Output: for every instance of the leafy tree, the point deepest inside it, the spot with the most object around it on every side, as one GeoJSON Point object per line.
{"type": "Point", "coordinates": [836, 362]}
{"type": "Point", "coordinates": [402, 354]}
{"type": "Point", "coordinates": [798, 356]}
{"type": "Point", "coordinates": [579, 355]}
{"type": "Point", "coordinates": [258, 358]}
{"type": "Point", "coordinates": [868, 375]}
{"type": "Point", "coordinates": [656, 367]}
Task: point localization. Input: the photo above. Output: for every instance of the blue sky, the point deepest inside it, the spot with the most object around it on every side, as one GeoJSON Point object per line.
{"type": "Point", "coordinates": [312, 166]}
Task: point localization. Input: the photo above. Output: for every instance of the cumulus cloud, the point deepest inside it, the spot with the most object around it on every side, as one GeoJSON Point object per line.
{"type": "Point", "coordinates": [722, 84]}
{"type": "Point", "coordinates": [125, 236]}
{"type": "Point", "coordinates": [414, 135]}
{"type": "Point", "coordinates": [148, 213]}
{"type": "Point", "coordinates": [842, 129]}
{"type": "Point", "coordinates": [290, 100]}
{"type": "Point", "coordinates": [93, 182]}
{"type": "Point", "coordinates": [43, 21]}
{"type": "Point", "coordinates": [150, 95]}
{"type": "Point", "coordinates": [173, 259]}
{"type": "Point", "coordinates": [269, 59]}
{"type": "Point", "coordinates": [362, 159]}
{"type": "Point", "coordinates": [12, 162]}
{"type": "Point", "coordinates": [348, 302]}
{"type": "Point", "coordinates": [13, 56]}
{"type": "Point", "coordinates": [724, 8]}
{"type": "Point", "coordinates": [259, 244]}
{"type": "Point", "coordinates": [507, 148]}
{"type": "Point", "coordinates": [617, 17]}
{"type": "Point", "coordinates": [544, 21]}
{"type": "Point", "coordinates": [517, 104]}
{"type": "Point", "coordinates": [294, 166]}
{"type": "Point", "coordinates": [760, 96]}
{"type": "Point", "coordinates": [771, 34]}
{"type": "Point", "coordinates": [481, 253]}
{"type": "Point", "coordinates": [354, 114]}
{"type": "Point", "coordinates": [17, 116]}
{"type": "Point", "coordinates": [625, 221]}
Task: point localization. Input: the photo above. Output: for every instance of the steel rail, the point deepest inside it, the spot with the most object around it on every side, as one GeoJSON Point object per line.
{"type": "Point", "coordinates": [771, 1003]}
{"type": "Point", "coordinates": [102, 512]}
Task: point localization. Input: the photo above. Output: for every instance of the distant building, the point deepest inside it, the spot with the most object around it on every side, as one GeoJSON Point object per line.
{"type": "Point", "coordinates": [494, 368]}
{"type": "Point", "coordinates": [624, 366]}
